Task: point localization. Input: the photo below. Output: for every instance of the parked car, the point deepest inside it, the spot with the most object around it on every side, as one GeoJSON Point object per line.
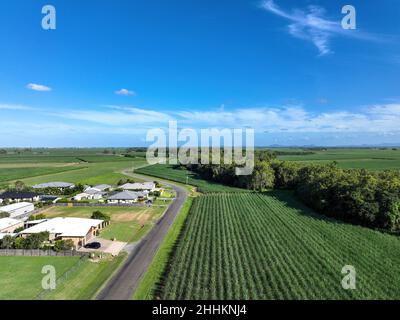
{"type": "Point", "coordinates": [93, 245]}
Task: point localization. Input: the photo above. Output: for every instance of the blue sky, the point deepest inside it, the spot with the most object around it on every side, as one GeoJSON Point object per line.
{"type": "Point", "coordinates": [114, 69]}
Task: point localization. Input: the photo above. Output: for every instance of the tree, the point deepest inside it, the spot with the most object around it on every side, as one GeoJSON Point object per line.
{"type": "Point", "coordinates": [39, 216]}
{"type": "Point", "coordinates": [263, 176]}
{"type": "Point", "coordinates": [7, 242]}
{"type": "Point", "coordinates": [19, 243]}
{"type": "Point", "coordinates": [63, 245]}
{"type": "Point", "coordinates": [19, 185]}
{"type": "Point", "coordinates": [35, 241]}
{"type": "Point", "coordinates": [100, 215]}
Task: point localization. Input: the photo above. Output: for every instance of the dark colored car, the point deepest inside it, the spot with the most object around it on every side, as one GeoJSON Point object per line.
{"type": "Point", "coordinates": [93, 245]}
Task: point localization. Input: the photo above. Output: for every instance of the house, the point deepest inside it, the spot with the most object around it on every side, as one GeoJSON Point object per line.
{"type": "Point", "coordinates": [89, 194]}
{"type": "Point", "coordinates": [19, 210]}
{"type": "Point", "coordinates": [9, 225]}
{"type": "Point", "coordinates": [54, 185]}
{"type": "Point", "coordinates": [79, 230]}
{"type": "Point", "coordinates": [148, 186]}
{"type": "Point", "coordinates": [98, 188]}
{"type": "Point", "coordinates": [18, 196]}
{"type": "Point", "coordinates": [49, 198]}
{"type": "Point", "coordinates": [125, 197]}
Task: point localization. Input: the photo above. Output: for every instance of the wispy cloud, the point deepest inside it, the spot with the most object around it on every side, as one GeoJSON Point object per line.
{"type": "Point", "coordinates": [125, 92]}
{"type": "Point", "coordinates": [14, 107]}
{"type": "Point", "coordinates": [38, 87]}
{"type": "Point", "coordinates": [118, 116]}
{"type": "Point", "coordinates": [293, 119]}
{"type": "Point", "coordinates": [296, 119]}
{"type": "Point", "coordinates": [313, 25]}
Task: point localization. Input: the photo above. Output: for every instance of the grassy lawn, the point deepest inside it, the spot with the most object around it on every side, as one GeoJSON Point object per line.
{"type": "Point", "coordinates": [153, 275]}
{"type": "Point", "coordinates": [128, 224]}
{"type": "Point", "coordinates": [21, 277]}
{"type": "Point", "coordinates": [87, 280]}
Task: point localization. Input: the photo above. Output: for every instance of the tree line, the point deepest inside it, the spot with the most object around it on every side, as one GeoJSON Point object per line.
{"type": "Point", "coordinates": [358, 196]}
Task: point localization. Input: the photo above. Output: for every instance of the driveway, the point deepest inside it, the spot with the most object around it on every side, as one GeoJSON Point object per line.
{"type": "Point", "coordinates": [124, 283]}
{"type": "Point", "coordinates": [107, 246]}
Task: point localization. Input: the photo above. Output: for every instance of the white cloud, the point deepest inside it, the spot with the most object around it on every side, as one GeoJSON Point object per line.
{"type": "Point", "coordinates": [125, 92]}
{"type": "Point", "coordinates": [14, 107]}
{"type": "Point", "coordinates": [312, 25]}
{"type": "Point", "coordinates": [38, 87]}
{"type": "Point", "coordinates": [296, 119]}
{"type": "Point", "coordinates": [119, 116]}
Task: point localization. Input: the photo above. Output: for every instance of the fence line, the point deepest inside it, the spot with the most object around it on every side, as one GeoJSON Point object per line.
{"type": "Point", "coordinates": [40, 253]}
{"type": "Point", "coordinates": [100, 204]}
{"type": "Point", "coordinates": [63, 277]}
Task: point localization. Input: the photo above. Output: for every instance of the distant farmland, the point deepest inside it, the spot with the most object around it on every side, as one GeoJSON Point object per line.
{"type": "Point", "coordinates": [182, 175]}
{"type": "Point", "coordinates": [255, 246]}
{"type": "Point", "coordinates": [351, 158]}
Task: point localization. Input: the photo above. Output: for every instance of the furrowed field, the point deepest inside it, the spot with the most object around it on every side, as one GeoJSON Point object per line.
{"type": "Point", "coordinates": [268, 246]}
{"type": "Point", "coordinates": [184, 176]}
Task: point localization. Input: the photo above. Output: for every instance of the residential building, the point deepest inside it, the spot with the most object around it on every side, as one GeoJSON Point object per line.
{"type": "Point", "coordinates": [19, 210]}
{"type": "Point", "coordinates": [54, 185]}
{"type": "Point", "coordinates": [49, 198]}
{"type": "Point", "coordinates": [126, 197]}
{"type": "Point", "coordinates": [79, 230]}
{"type": "Point", "coordinates": [148, 186]}
{"type": "Point", "coordinates": [99, 188]}
{"type": "Point", "coordinates": [18, 196]}
{"type": "Point", "coordinates": [9, 225]}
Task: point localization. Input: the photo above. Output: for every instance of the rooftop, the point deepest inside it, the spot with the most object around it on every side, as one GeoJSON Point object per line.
{"type": "Point", "coordinates": [57, 184]}
{"type": "Point", "coordinates": [8, 222]}
{"type": "Point", "coordinates": [65, 226]}
{"type": "Point", "coordinates": [18, 195]}
{"type": "Point", "coordinates": [126, 195]}
{"type": "Point", "coordinates": [139, 186]}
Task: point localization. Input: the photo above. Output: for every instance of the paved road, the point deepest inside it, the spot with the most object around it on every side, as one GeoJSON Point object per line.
{"type": "Point", "coordinates": [126, 280]}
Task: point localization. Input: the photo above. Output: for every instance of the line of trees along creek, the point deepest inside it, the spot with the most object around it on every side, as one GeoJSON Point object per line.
{"type": "Point", "coordinates": [371, 199]}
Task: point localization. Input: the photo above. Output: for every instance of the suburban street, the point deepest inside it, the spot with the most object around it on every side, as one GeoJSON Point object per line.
{"type": "Point", "coordinates": [123, 284]}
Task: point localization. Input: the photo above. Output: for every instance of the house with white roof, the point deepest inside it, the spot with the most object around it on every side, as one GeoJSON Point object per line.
{"type": "Point", "coordinates": [19, 210]}
{"type": "Point", "coordinates": [9, 225]}
{"type": "Point", "coordinates": [79, 230]}
{"type": "Point", "coordinates": [148, 186]}
{"type": "Point", "coordinates": [93, 193]}
{"type": "Point", "coordinates": [125, 197]}
{"type": "Point", "coordinates": [99, 188]}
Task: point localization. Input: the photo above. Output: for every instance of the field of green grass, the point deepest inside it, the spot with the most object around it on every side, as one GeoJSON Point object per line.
{"type": "Point", "coordinates": [10, 174]}
{"type": "Point", "coordinates": [128, 224]}
{"type": "Point", "coordinates": [372, 159]}
{"type": "Point", "coordinates": [21, 277]}
{"type": "Point", "coordinates": [168, 172]}
{"type": "Point", "coordinates": [86, 282]}
{"type": "Point", "coordinates": [87, 173]}
{"type": "Point", "coordinates": [268, 246]}
{"type": "Point", "coordinates": [86, 166]}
